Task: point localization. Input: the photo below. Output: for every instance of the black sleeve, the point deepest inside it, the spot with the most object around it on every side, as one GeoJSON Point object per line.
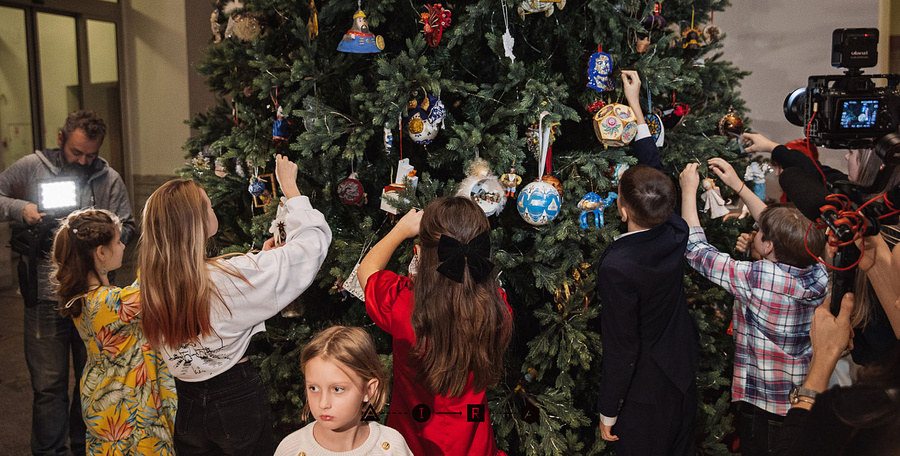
{"type": "Point", "coordinates": [818, 431]}
{"type": "Point", "coordinates": [620, 336]}
{"type": "Point", "coordinates": [647, 153]}
{"type": "Point", "coordinates": [791, 158]}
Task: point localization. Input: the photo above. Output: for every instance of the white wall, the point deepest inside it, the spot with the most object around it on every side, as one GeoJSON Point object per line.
{"type": "Point", "coordinates": [156, 91]}
{"type": "Point", "coordinates": [783, 43]}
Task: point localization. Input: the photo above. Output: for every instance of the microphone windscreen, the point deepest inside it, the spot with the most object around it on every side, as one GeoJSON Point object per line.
{"type": "Point", "coordinates": [808, 194]}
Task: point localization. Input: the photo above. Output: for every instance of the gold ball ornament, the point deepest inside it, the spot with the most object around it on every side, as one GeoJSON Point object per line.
{"type": "Point", "coordinates": [731, 124]}
{"type": "Point", "coordinates": [615, 125]}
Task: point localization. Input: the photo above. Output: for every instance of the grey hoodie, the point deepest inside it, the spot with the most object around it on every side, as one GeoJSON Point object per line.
{"type": "Point", "coordinates": [103, 189]}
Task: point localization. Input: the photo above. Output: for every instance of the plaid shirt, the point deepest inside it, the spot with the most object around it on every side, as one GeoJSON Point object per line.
{"type": "Point", "coordinates": [773, 310]}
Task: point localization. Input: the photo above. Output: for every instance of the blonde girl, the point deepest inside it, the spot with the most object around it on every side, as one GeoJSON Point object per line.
{"type": "Point", "coordinates": [450, 323]}
{"type": "Point", "coordinates": [127, 394]}
{"type": "Point", "coordinates": [344, 380]}
{"type": "Point", "coordinates": [200, 312]}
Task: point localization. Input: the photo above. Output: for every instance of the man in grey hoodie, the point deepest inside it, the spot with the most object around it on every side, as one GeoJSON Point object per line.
{"type": "Point", "coordinates": [49, 338]}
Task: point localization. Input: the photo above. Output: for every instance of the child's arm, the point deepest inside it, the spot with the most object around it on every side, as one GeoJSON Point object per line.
{"type": "Point", "coordinates": [690, 180]}
{"type": "Point", "coordinates": [726, 172]}
{"type": "Point", "coordinates": [378, 257]}
{"type": "Point", "coordinates": [645, 149]}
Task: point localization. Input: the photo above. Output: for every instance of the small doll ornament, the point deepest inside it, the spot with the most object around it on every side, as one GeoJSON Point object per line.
{"type": "Point", "coordinates": [405, 179]}
{"type": "Point", "coordinates": [592, 203]}
{"type": "Point", "coordinates": [691, 39]}
{"type": "Point", "coordinates": [483, 187]}
{"type": "Point", "coordinates": [277, 228]}
{"type": "Point", "coordinates": [388, 140]}
{"type": "Point", "coordinates": [425, 119]}
{"type": "Point", "coordinates": [537, 6]}
{"type": "Point", "coordinates": [599, 68]}
{"type": "Point", "coordinates": [615, 125]}
{"type": "Point", "coordinates": [279, 128]}
{"type": "Point", "coordinates": [434, 21]}
{"type": "Point", "coordinates": [358, 40]}
{"type": "Point", "coordinates": [712, 199]}
{"type": "Point", "coordinates": [511, 180]}
{"type": "Point", "coordinates": [756, 173]}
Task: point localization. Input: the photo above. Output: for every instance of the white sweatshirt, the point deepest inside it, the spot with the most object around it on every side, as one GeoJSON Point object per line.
{"type": "Point", "coordinates": [276, 277]}
{"type": "Point", "coordinates": [382, 441]}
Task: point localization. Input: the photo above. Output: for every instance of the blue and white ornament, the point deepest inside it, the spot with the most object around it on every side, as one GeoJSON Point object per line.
{"type": "Point", "coordinates": [425, 119]}
{"type": "Point", "coordinates": [599, 68]}
{"type": "Point", "coordinates": [592, 203]}
{"type": "Point", "coordinates": [257, 186]}
{"type": "Point", "coordinates": [539, 203]}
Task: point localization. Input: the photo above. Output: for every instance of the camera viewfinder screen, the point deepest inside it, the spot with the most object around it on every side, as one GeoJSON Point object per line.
{"type": "Point", "coordinates": [858, 113]}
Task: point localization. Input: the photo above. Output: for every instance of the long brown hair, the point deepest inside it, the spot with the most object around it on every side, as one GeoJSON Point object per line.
{"type": "Point", "coordinates": [76, 240]}
{"type": "Point", "coordinates": [353, 347]}
{"type": "Point", "coordinates": [461, 328]}
{"type": "Point", "coordinates": [176, 288]}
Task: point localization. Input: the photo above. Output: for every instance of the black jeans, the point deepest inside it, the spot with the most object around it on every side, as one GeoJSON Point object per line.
{"type": "Point", "coordinates": [758, 430]}
{"type": "Point", "coordinates": [228, 414]}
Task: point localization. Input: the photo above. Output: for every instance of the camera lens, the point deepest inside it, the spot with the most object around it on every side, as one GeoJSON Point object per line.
{"type": "Point", "coordinates": [795, 107]}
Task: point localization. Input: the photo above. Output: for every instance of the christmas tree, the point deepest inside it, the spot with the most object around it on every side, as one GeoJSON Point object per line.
{"type": "Point", "coordinates": [494, 67]}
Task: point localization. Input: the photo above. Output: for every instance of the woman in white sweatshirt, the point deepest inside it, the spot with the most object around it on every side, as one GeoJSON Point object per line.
{"type": "Point", "coordinates": [201, 312]}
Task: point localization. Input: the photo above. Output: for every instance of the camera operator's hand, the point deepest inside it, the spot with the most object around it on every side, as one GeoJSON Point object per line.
{"type": "Point", "coordinates": [31, 215]}
{"type": "Point", "coordinates": [755, 143]}
{"type": "Point", "coordinates": [631, 85]}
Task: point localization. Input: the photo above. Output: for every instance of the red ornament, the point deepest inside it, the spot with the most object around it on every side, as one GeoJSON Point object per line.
{"type": "Point", "coordinates": [595, 106]}
{"type": "Point", "coordinates": [434, 21]}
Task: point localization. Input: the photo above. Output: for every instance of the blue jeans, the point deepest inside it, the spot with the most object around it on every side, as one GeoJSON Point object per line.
{"type": "Point", "coordinates": [228, 414]}
{"type": "Point", "coordinates": [49, 340]}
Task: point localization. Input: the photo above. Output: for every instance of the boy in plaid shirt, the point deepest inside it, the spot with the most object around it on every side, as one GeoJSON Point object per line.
{"type": "Point", "coordinates": [775, 300]}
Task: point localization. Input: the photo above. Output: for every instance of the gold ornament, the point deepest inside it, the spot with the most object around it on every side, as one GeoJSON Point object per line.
{"type": "Point", "coordinates": [615, 125]}
{"type": "Point", "coordinates": [247, 26]}
{"type": "Point", "coordinates": [731, 124]}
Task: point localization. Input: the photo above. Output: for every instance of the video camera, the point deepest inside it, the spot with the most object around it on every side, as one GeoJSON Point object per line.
{"type": "Point", "coordinates": [848, 111]}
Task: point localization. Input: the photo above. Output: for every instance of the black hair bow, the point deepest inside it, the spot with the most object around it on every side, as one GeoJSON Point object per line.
{"type": "Point", "coordinates": [454, 256]}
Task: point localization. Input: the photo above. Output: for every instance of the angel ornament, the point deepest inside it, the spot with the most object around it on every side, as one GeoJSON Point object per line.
{"type": "Point", "coordinates": [278, 227]}
{"type": "Point", "coordinates": [712, 199]}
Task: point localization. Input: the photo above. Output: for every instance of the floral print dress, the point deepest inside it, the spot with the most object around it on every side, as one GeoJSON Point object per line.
{"type": "Point", "coordinates": [128, 397]}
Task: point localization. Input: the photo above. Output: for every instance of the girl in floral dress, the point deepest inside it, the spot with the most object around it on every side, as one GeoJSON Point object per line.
{"type": "Point", "coordinates": [128, 397]}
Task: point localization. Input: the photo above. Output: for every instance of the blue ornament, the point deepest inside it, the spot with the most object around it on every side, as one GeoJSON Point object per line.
{"type": "Point", "coordinates": [257, 187]}
{"type": "Point", "coordinates": [599, 68]}
{"type": "Point", "coordinates": [657, 131]}
{"type": "Point", "coordinates": [593, 203]}
{"type": "Point", "coordinates": [539, 203]}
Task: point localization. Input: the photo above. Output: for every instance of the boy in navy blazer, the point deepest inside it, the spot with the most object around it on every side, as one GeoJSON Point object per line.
{"type": "Point", "coordinates": [648, 390]}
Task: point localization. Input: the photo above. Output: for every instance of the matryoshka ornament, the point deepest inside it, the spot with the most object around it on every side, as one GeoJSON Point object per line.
{"type": "Point", "coordinates": [358, 40]}
{"type": "Point", "coordinates": [425, 119]}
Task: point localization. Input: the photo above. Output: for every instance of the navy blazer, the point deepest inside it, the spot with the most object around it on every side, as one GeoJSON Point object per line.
{"type": "Point", "coordinates": [646, 330]}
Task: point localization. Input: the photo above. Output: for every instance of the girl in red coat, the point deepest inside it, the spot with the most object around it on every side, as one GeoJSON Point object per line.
{"type": "Point", "coordinates": [450, 323]}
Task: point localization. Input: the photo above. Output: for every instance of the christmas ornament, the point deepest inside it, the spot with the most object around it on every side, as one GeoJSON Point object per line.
{"type": "Point", "coordinates": [592, 203]}
{"type": "Point", "coordinates": [313, 23]}
{"type": "Point", "coordinates": [672, 116]}
{"type": "Point", "coordinates": [756, 173]}
{"type": "Point", "coordinates": [358, 40]}
{"type": "Point", "coordinates": [279, 128]}
{"type": "Point", "coordinates": [350, 190]}
{"type": "Point", "coordinates": [247, 26]}
{"type": "Point", "coordinates": [657, 131]}
{"type": "Point", "coordinates": [405, 179]}
{"type": "Point", "coordinates": [221, 170]}
{"type": "Point", "coordinates": [434, 21]}
{"type": "Point", "coordinates": [595, 106]}
{"type": "Point", "coordinates": [537, 6]}
{"type": "Point", "coordinates": [655, 21]}
{"type": "Point", "coordinates": [507, 38]}
{"type": "Point", "coordinates": [388, 140]}
{"type": "Point", "coordinates": [215, 27]}
{"type": "Point", "coordinates": [615, 125]}
{"type": "Point", "coordinates": [711, 32]}
{"type": "Point", "coordinates": [691, 39]}
{"type": "Point", "coordinates": [533, 140]}
{"type": "Point", "coordinates": [483, 187]}
{"type": "Point", "coordinates": [239, 168]}
{"type": "Point", "coordinates": [642, 44]}
{"type": "Point", "coordinates": [539, 202]}
{"type": "Point", "coordinates": [731, 124]}
{"type": "Point", "coordinates": [277, 228]}
{"type": "Point", "coordinates": [599, 67]}
{"type": "Point", "coordinates": [553, 181]}
{"type": "Point", "coordinates": [511, 180]}
{"type": "Point", "coordinates": [425, 119]}
{"type": "Point", "coordinates": [619, 169]}
{"type": "Point", "coordinates": [257, 186]}
{"type": "Point", "coordinates": [712, 199]}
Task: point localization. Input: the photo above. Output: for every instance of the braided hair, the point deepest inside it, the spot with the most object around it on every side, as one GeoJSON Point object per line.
{"type": "Point", "coordinates": [73, 254]}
